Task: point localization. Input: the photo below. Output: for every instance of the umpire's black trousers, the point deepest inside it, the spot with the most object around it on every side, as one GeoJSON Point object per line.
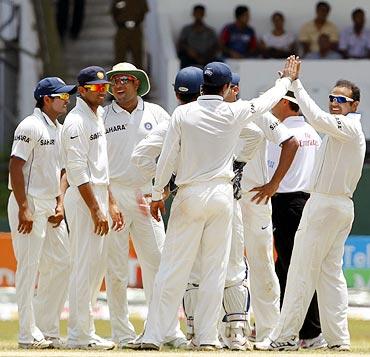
{"type": "Point", "coordinates": [286, 214]}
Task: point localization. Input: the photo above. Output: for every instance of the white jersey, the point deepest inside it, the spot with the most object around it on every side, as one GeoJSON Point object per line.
{"type": "Point", "coordinates": [37, 141]}
{"type": "Point", "coordinates": [255, 172]}
{"type": "Point", "coordinates": [298, 176]}
{"type": "Point", "coordinates": [84, 146]}
{"type": "Point", "coordinates": [124, 130]}
{"type": "Point", "coordinates": [338, 167]}
{"type": "Point", "coordinates": [208, 128]}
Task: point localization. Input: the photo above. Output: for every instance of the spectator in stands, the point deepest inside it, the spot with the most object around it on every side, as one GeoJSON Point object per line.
{"type": "Point", "coordinates": [238, 39]}
{"type": "Point", "coordinates": [128, 16]}
{"type": "Point", "coordinates": [354, 41]}
{"type": "Point", "coordinates": [278, 43]}
{"type": "Point", "coordinates": [310, 32]}
{"type": "Point", "coordinates": [198, 43]}
{"type": "Point", "coordinates": [325, 51]}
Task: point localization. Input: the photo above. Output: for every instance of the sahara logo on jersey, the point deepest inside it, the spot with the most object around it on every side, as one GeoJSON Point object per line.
{"type": "Point", "coordinates": [96, 135]}
{"type": "Point", "coordinates": [47, 142]}
{"type": "Point", "coordinates": [115, 128]}
{"type": "Point", "coordinates": [24, 138]}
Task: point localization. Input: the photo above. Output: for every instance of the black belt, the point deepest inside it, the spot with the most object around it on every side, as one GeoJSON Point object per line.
{"type": "Point", "coordinates": [292, 194]}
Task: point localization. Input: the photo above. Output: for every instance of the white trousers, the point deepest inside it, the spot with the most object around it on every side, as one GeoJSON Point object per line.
{"type": "Point", "coordinates": [264, 283]}
{"type": "Point", "coordinates": [201, 219]}
{"type": "Point", "coordinates": [45, 249]}
{"type": "Point", "coordinates": [316, 263]}
{"type": "Point", "coordinates": [148, 237]}
{"type": "Point", "coordinates": [89, 260]}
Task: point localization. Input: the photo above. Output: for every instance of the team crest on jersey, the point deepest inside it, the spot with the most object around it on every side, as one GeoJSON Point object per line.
{"type": "Point", "coordinates": [148, 126]}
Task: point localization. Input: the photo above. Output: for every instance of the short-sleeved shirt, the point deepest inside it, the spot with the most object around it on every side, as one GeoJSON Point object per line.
{"type": "Point", "coordinates": [283, 42]}
{"type": "Point", "coordinates": [201, 41]}
{"type": "Point", "coordinates": [310, 33]}
{"type": "Point", "coordinates": [124, 131]}
{"type": "Point", "coordinates": [239, 40]}
{"type": "Point", "coordinates": [37, 142]}
{"type": "Point", "coordinates": [357, 46]}
{"type": "Point", "coordinates": [84, 146]}
{"type": "Point", "coordinates": [255, 172]}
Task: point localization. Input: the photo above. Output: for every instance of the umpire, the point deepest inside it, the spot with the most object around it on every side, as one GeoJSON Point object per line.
{"type": "Point", "coordinates": [288, 204]}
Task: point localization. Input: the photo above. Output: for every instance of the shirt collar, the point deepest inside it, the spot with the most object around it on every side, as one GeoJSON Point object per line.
{"type": "Point", "coordinates": [118, 109]}
{"type": "Point", "coordinates": [354, 116]}
{"type": "Point", "coordinates": [294, 118]}
{"type": "Point", "coordinates": [210, 97]}
{"type": "Point", "coordinates": [83, 106]}
{"type": "Point", "coordinates": [44, 117]}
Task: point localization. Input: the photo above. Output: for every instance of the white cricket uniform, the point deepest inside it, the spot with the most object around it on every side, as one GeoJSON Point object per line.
{"type": "Point", "coordinates": [200, 144]}
{"type": "Point", "coordinates": [264, 284]}
{"type": "Point", "coordinates": [45, 249]}
{"type": "Point", "coordinates": [298, 176]}
{"type": "Point", "coordinates": [124, 130]}
{"type": "Point", "coordinates": [84, 149]}
{"type": "Point", "coordinates": [327, 218]}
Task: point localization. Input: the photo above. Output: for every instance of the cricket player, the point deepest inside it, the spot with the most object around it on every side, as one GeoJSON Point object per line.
{"type": "Point", "coordinates": [200, 142]}
{"type": "Point", "coordinates": [256, 218]}
{"type": "Point", "coordinates": [327, 218]}
{"type": "Point", "coordinates": [87, 203]}
{"type": "Point", "coordinates": [36, 217]}
{"type": "Point", "coordinates": [288, 203]}
{"type": "Point", "coordinates": [128, 120]}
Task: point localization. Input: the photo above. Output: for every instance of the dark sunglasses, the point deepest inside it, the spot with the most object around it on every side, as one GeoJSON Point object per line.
{"type": "Point", "coordinates": [340, 99]}
{"type": "Point", "coordinates": [122, 80]}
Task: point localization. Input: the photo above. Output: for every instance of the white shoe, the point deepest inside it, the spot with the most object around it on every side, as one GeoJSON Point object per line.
{"type": "Point", "coordinates": [340, 348]}
{"type": "Point", "coordinates": [125, 343]}
{"type": "Point", "coordinates": [313, 343]}
{"type": "Point", "coordinates": [56, 342]}
{"type": "Point", "coordinates": [36, 344]}
{"type": "Point", "coordinates": [263, 345]}
{"type": "Point", "coordinates": [239, 343]}
{"type": "Point", "coordinates": [179, 343]}
{"type": "Point", "coordinates": [290, 345]}
{"type": "Point", "coordinates": [136, 343]}
{"type": "Point", "coordinates": [95, 343]}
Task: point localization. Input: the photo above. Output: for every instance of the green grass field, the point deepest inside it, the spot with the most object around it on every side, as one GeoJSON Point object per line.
{"type": "Point", "coordinates": [360, 338]}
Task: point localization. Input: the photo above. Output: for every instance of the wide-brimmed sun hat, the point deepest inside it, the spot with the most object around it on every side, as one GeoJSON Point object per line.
{"type": "Point", "coordinates": [130, 69]}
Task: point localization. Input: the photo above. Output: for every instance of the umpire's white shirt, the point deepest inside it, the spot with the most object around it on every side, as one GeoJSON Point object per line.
{"type": "Point", "coordinates": [255, 172]}
{"type": "Point", "coordinates": [208, 129]}
{"type": "Point", "coordinates": [124, 130]}
{"type": "Point", "coordinates": [84, 146]}
{"type": "Point", "coordinates": [298, 176]}
{"type": "Point", "coordinates": [341, 155]}
{"type": "Point", "coordinates": [37, 141]}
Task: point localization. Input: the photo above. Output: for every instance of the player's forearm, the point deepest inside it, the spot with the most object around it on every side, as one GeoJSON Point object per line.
{"type": "Point", "coordinates": [17, 181]}
{"type": "Point", "coordinates": [88, 196]}
{"type": "Point", "coordinates": [288, 151]}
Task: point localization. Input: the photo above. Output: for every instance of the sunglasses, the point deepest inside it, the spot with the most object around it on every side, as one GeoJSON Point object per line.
{"type": "Point", "coordinates": [100, 87]}
{"type": "Point", "coordinates": [62, 96]}
{"type": "Point", "coordinates": [340, 99]}
{"type": "Point", "coordinates": [122, 80]}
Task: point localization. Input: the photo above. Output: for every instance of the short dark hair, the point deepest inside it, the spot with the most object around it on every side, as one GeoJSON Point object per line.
{"type": "Point", "coordinates": [187, 97]}
{"type": "Point", "coordinates": [350, 85]}
{"type": "Point", "coordinates": [323, 4]}
{"type": "Point", "coordinates": [293, 106]}
{"type": "Point", "coordinates": [277, 13]}
{"type": "Point", "coordinates": [213, 90]}
{"type": "Point", "coordinates": [357, 11]}
{"type": "Point", "coordinates": [240, 10]}
{"type": "Point", "coordinates": [198, 7]}
{"type": "Point", "coordinates": [40, 103]}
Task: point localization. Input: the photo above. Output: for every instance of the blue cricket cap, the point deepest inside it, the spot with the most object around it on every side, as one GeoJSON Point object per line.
{"type": "Point", "coordinates": [235, 79]}
{"type": "Point", "coordinates": [216, 74]}
{"type": "Point", "coordinates": [52, 85]}
{"type": "Point", "coordinates": [92, 75]}
{"type": "Point", "coordinates": [189, 80]}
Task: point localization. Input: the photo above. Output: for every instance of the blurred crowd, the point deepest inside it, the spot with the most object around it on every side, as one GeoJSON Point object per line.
{"type": "Point", "coordinates": [318, 38]}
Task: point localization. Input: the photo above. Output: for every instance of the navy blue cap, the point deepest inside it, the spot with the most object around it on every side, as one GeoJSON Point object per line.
{"type": "Point", "coordinates": [216, 74]}
{"type": "Point", "coordinates": [52, 85]}
{"type": "Point", "coordinates": [235, 79]}
{"type": "Point", "coordinates": [92, 75]}
{"type": "Point", "coordinates": [188, 80]}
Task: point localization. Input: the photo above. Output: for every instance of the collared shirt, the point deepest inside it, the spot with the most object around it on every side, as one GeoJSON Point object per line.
{"type": "Point", "coordinates": [37, 142]}
{"type": "Point", "coordinates": [124, 130]}
{"type": "Point", "coordinates": [310, 33]}
{"type": "Point", "coordinates": [202, 137]}
{"type": "Point", "coordinates": [84, 146]}
{"type": "Point", "coordinates": [298, 176]}
{"type": "Point", "coordinates": [338, 166]}
{"type": "Point", "coordinates": [357, 46]}
{"type": "Point", "coordinates": [255, 172]}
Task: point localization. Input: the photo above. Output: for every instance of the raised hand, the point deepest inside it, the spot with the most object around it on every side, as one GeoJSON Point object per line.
{"type": "Point", "coordinates": [291, 68]}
